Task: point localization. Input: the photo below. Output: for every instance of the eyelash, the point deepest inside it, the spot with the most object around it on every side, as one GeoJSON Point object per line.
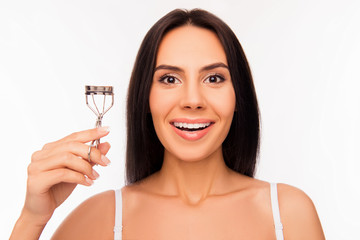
{"type": "Point", "coordinates": [220, 77]}
{"type": "Point", "coordinates": [164, 77]}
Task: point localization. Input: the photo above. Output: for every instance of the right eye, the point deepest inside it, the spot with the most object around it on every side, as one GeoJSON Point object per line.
{"type": "Point", "coordinates": [168, 79]}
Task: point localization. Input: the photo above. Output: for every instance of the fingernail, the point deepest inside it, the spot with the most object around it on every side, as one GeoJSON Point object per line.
{"type": "Point", "coordinates": [95, 174]}
{"type": "Point", "coordinates": [105, 160]}
{"type": "Point", "coordinates": [104, 129]}
{"type": "Point", "coordinates": [89, 181]}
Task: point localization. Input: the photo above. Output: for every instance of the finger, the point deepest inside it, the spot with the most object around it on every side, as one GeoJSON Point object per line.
{"type": "Point", "coordinates": [63, 160]}
{"type": "Point", "coordinates": [99, 157]}
{"type": "Point", "coordinates": [46, 153]}
{"type": "Point", "coordinates": [46, 180]}
{"type": "Point", "coordinates": [104, 147]}
{"type": "Point", "coordinates": [83, 136]}
{"type": "Point", "coordinates": [78, 149]}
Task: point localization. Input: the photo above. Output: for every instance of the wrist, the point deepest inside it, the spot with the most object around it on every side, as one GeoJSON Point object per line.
{"type": "Point", "coordinates": [28, 227]}
{"type": "Point", "coordinates": [34, 219]}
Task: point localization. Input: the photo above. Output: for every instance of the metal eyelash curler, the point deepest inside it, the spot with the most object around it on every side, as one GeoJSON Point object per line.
{"type": "Point", "coordinates": [98, 91]}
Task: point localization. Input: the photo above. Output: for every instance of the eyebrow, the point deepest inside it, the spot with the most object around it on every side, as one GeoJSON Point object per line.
{"type": "Point", "coordinates": [205, 68]}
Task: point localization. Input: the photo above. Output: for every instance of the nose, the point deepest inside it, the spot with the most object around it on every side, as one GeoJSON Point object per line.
{"type": "Point", "coordinates": [192, 97]}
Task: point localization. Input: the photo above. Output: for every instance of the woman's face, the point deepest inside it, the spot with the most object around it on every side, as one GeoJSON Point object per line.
{"type": "Point", "coordinates": [192, 99]}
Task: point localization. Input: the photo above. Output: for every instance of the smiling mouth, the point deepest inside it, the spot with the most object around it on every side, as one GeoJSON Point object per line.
{"type": "Point", "coordinates": [191, 127]}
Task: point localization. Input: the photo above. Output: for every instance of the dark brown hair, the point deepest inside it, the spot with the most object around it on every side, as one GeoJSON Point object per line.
{"type": "Point", "coordinates": [144, 153]}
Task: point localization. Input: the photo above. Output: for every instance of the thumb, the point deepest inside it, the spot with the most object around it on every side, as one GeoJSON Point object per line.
{"type": "Point", "coordinates": [104, 147]}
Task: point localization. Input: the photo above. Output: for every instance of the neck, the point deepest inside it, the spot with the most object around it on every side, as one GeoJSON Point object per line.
{"type": "Point", "coordinates": [193, 181]}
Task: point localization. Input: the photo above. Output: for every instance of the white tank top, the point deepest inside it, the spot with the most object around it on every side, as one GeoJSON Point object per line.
{"type": "Point", "coordinates": [274, 205]}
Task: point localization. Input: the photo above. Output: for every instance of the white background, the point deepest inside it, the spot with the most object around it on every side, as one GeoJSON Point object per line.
{"type": "Point", "coordinates": [304, 56]}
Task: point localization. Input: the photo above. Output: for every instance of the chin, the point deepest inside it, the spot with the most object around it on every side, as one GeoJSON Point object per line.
{"type": "Point", "coordinates": [191, 154]}
{"type": "Point", "coordinates": [191, 158]}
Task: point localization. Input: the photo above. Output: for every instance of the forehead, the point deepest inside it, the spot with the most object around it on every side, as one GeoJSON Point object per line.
{"type": "Point", "coordinates": [190, 45]}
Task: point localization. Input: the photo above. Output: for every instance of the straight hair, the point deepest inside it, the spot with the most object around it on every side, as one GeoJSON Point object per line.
{"type": "Point", "coordinates": [144, 151]}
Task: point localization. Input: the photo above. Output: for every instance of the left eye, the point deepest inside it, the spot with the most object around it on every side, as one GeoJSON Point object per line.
{"type": "Point", "coordinates": [214, 79]}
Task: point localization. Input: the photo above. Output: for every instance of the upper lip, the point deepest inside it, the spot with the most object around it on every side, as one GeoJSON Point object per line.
{"type": "Point", "coordinates": [188, 120]}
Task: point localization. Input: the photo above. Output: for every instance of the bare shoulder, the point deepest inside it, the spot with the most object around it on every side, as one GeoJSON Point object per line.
{"type": "Point", "coordinates": [92, 219]}
{"type": "Point", "coordinates": [298, 214]}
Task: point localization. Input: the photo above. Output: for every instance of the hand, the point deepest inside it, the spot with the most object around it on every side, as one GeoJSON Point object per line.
{"type": "Point", "coordinates": [56, 170]}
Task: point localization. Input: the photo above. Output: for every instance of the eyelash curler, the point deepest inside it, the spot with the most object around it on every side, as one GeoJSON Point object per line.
{"type": "Point", "coordinates": [93, 91]}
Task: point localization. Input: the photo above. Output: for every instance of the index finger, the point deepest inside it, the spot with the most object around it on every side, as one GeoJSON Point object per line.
{"type": "Point", "coordinates": [86, 135]}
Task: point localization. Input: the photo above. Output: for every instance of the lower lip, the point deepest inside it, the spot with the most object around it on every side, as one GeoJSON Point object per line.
{"type": "Point", "coordinates": [194, 135]}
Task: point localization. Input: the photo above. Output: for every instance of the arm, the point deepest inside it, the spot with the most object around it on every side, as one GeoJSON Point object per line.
{"type": "Point", "coordinates": [27, 228]}
{"type": "Point", "coordinates": [53, 174]}
{"type": "Point", "coordinates": [298, 214]}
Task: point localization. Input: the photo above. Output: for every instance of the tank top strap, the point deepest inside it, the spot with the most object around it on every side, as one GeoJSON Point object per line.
{"type": "Point", "coordinates": [276, 211]}
{"type": "Point", "coordinates": [118, 215]}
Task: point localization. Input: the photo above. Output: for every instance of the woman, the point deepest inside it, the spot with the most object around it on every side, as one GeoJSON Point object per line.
{"type": "Point", "coordinates": [193, 139]}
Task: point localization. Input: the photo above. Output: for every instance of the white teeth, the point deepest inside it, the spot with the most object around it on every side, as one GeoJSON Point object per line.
{"type": "Point", "coordinates": [191, 125]}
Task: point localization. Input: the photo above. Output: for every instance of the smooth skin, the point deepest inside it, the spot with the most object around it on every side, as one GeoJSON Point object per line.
{"type": "Point", "coordinates": [53, 174]}
{"type": "Point", "coordinates": [194, 195]}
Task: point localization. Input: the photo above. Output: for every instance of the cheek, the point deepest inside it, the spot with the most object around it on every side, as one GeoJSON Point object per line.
{"type": "Point", "coordinates": [223, 103]}
{"type": "Point", "coordinates": [160, 103]}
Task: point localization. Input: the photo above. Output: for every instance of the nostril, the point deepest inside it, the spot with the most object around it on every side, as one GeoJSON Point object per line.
{"type": "Point", "coordinates": [194, 104]}
{"type": "Point", "coordinates": [190, 107]}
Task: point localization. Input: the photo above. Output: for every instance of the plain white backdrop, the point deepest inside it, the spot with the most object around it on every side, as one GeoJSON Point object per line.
{"type": "Point", "coordinates": [304, 56]}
